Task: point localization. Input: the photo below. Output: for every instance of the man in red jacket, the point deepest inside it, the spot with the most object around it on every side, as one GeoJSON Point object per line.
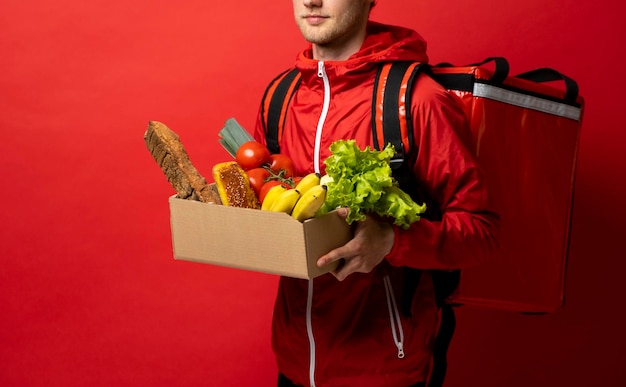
{"type": "Point", "coordinates": [348, 329]}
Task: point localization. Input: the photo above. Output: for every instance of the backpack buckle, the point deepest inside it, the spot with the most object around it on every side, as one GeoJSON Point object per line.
{"type": "Point", "coordinates": [398, 159]}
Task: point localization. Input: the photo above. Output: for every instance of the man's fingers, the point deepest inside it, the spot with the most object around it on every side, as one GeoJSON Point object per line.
{"type": "Point", "coordinates": [343, 271]}
{"type": "Point", "coordinates": [331, 257]}
{"type": "Point", "coordinates": [350, 266]}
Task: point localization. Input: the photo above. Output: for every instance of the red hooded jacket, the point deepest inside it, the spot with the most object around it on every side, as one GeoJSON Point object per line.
{"type": "Point", "coordinates": [350, 333]}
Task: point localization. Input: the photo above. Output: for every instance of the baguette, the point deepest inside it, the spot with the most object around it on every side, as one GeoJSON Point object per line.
{"type": "Point", "coordinates": [169, 153]}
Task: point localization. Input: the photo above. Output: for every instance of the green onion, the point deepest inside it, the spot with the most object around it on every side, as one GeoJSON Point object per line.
{"type": "Point", "coordinates": [232, 136]}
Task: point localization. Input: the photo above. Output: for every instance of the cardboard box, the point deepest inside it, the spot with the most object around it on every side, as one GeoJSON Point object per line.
{"type": "Point", "coordinates": [263, 241]}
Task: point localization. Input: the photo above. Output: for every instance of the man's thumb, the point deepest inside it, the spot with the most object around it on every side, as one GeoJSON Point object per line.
{"type": "Point", "coordinates": [343, 212]}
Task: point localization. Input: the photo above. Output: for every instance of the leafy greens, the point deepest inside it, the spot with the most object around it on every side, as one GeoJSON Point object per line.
{"type": "Point", "coordinates": [361, 180]}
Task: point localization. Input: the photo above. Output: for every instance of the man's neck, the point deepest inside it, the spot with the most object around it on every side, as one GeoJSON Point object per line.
{"type": "Point", "coordinates": [326, 53]}
{"type": "Point", "coordinates": [340, 50]}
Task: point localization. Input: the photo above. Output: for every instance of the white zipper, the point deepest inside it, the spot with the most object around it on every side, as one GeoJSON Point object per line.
{"type": "Point", "coordinates": [394, 317]}
{"type": "Point", "coordinates": [321, 72]}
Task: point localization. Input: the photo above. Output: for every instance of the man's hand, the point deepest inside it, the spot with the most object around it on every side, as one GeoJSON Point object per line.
{"type": "Point", "coordinates": [373, 240]}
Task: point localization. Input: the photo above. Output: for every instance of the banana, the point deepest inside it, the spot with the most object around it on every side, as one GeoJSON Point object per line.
{"type": "Point", "coordinates": [309, 203]}
{"type": "Point", "coordinates": [325, 180]}
{"type": "Point", "coordinates": [286, 201]}
{"type": "Point", "coordinates": [309, 181]}
{"type": "Point", "coordinates": [271, 196]}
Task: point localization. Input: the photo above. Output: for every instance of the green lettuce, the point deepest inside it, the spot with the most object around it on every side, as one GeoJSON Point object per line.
{"type": "Point", "coordinates": [361, 180]}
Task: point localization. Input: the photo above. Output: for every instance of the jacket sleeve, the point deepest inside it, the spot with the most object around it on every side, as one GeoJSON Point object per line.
{"type": "Point", "coordinates": [259, 131]}
{"type": "Point", "coordinates": [447, 171]}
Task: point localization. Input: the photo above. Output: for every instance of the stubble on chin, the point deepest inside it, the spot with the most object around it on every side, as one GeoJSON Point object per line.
{"type": "Point", "coordinates": [320, 35]}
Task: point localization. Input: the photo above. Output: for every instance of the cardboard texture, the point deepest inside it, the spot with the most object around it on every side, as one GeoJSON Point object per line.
{"type": "Point", "coordinates": [262, 241]}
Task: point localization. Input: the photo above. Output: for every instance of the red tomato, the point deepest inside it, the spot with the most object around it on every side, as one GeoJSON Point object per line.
{"type": "Point", "coordinates": [257, 178]}
{"type": "Point", "coordinates": [267, 186]}
{"type": "Point", "coordinates": [252, 154]}
{"type": "Point", "coordinates": [280, 161]}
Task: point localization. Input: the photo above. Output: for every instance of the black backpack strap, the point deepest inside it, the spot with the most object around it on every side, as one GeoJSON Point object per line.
{"type": "Point", "coordinates": [392, 123]}
{"type": "Point", "coordinates": [440, 348]}
{"type": "Point", "coordinates": [391, 113]}
{"type": "Point", "coordinates": [546, 74]}
{"type": "Point", "coordinates": [274, 106]}
{"type": "Point", "coordinates": [445, 283]}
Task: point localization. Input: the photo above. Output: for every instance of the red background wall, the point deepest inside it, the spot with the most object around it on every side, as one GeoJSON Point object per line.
{"type": "Point", "coordinates": [89, 292]}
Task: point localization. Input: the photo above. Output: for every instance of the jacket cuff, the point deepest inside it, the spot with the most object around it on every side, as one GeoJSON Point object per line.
{"type": "Point", "coordinates": [393, 255]}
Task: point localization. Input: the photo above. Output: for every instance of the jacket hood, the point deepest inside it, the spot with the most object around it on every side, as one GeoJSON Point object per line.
{"type": "Point", "coordinates": [383, 43]}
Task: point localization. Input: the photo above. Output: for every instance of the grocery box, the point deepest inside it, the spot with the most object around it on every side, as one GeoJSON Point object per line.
{"type": "Point", "coordinates": [262, 241]}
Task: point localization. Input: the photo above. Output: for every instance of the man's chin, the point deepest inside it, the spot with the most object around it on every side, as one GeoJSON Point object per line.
{"type": "Point", "coordinates": [314, 35]}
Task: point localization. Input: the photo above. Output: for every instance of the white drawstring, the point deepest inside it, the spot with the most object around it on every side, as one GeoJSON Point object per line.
{"type": "Point", "coordinates": [394, 317]}
{"type": "Point", "coordinates": [309, 329]}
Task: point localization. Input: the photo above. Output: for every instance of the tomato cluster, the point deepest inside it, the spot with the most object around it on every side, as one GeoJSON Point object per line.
{"type": "Point", "coordinates": [265, 170]}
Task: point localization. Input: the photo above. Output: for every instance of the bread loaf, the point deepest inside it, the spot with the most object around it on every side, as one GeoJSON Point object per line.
{"type": "Point", "coordinates": [233, 185]}
{"type": "Point", "coordinates": [169, 153]}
